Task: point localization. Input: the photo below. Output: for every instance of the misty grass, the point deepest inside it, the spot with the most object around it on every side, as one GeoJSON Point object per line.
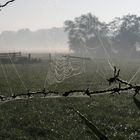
{"type": "Point", "coordinates": [116, 116]}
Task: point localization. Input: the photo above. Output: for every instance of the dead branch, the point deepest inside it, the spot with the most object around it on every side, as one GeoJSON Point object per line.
{"type": "Point", "coordinates": [4, 5]}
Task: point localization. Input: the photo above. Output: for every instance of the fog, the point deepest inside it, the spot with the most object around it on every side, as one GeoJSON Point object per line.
{"type": "Point", "coordinates": [52, 40]}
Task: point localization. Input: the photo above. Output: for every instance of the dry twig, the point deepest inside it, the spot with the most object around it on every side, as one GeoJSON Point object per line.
{"type": "Point", "coordinates": [4, 5]}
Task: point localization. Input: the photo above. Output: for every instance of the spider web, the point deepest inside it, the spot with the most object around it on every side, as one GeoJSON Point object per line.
{"type": "Point", "coordinates": [62, 68]}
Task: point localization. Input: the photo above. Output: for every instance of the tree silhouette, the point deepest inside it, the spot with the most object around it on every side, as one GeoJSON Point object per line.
{"type": "Point", "coordinates": [125, 33]}
{"type": "Point", "coordinates": [84, 31]}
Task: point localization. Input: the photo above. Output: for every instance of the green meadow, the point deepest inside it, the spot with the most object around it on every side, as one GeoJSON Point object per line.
{"type": "Point", "coordinates": [116, 116]}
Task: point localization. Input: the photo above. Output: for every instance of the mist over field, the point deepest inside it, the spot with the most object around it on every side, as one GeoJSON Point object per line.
{"type": "Point", "coordinates": [39, 41]}
{"type": "Point", "coordinates": [69, 70]}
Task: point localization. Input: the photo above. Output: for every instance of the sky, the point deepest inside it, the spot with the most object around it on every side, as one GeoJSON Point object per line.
{"type": "Point", "coordinates": [40, 14]}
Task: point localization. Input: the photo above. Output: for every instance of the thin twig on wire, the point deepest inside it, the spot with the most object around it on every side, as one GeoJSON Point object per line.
{"type": "Point", "coordinates": [4, 5]}
{"type": "Point", "coordinates": [114, 78]}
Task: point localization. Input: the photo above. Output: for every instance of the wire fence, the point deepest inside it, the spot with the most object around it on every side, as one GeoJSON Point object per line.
{"type": "Point", "coordinates": [84, 93]}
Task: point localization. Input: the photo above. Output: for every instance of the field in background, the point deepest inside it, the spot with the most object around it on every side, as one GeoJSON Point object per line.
{"type": "Point", "coordinates": [115, 115]}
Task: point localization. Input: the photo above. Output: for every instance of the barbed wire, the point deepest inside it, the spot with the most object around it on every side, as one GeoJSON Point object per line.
{"type": "Point", "coordinates": [84, 93]}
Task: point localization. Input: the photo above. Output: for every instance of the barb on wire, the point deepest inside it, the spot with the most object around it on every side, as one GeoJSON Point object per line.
{"type": "Point", "coordinates": [117, 90]}
{"type": "Point", "coordinates": [65, 94]}
{"type": "Point", "coordinates": [87, 92]}
{"type": "Point", "coordinates": [115, 76]}
{"type": "Point", "coordinates": [14, 96]}
{"type": "Point", "coordinates": [4, 5]}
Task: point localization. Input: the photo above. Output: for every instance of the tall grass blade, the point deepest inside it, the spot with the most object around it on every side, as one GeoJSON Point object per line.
{"type": "Point", "coordinates": [137, 102]}
{"type": "Point", "coordinates": [90, 125]}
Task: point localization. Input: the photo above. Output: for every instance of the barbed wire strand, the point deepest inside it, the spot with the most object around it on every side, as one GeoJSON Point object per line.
{"type": "Point", "coordinates": [86, 93]}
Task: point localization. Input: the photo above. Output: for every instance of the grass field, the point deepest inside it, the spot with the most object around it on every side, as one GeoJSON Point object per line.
{"type": "Point", "coordinates": [117, 116]}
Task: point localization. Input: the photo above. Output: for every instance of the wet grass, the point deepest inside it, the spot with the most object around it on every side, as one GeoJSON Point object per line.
{"type": "Point", "coordinates": [116, 116]}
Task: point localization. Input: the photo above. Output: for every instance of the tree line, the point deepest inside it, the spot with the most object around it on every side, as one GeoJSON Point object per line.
{"type": "Point", "coordinates": [87, 31]}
